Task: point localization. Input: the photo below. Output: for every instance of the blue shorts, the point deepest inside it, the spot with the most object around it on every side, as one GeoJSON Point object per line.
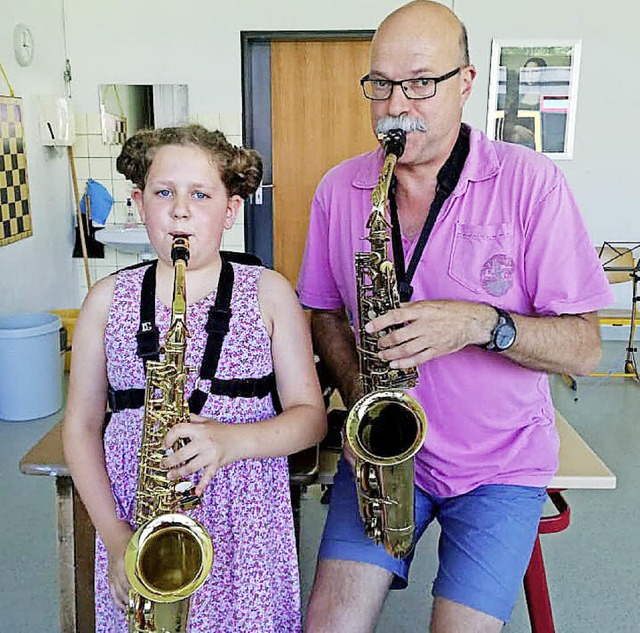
{"type": "Point", "coordinates": [486, 540]}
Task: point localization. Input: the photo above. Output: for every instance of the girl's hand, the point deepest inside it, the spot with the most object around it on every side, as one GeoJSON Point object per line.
{"type": "Point", "coordinates": [209, 448]}
{"type": "Point", "coordinates": [118, 581]}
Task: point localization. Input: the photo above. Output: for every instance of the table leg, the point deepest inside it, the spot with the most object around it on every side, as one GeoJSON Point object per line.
{"type": "Point", "coordinates": [66, 556]}
{"type": "Point", "coordinates": [76, 538]}
{"type": "Point", "coordinates": [536, 591]}
{"type": "Point", "coordinates": [85, 565]}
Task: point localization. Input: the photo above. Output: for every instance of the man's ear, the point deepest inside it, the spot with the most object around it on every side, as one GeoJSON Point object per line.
{"type": "Point", "coordinates": [136, 196]}
{"type": "Point", "coordinates": [468, 75]}
{"type": "Point", "coordinates": [234, 204]}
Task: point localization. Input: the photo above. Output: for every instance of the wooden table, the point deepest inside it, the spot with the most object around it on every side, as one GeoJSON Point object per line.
{"type": "Point", "coordinates": [580, 467]}
{"type": "Point", "coordinates": [76, 536]}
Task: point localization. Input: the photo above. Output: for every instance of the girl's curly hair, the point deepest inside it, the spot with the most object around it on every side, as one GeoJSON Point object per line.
{"type": "Point", "coordinates": [240, 168]}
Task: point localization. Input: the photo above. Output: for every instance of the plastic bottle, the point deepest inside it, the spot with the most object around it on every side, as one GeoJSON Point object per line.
{"type": "Point", "coordinates": [131, 221]}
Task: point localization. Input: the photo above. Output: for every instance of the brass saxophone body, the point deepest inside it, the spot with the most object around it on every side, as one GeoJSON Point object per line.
{"type": "Point", "coordinates": [170, 555]}
{"type": "Point", "coordinates": [386, 427]}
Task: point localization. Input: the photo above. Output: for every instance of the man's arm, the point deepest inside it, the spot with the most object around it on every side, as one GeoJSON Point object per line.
{"type": "Point", "coordinates": [568, 343]}
{"type": "Point", "coordinates": [335, 343]}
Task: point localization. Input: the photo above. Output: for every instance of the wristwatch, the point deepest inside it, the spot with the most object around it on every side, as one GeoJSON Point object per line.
{"type": "Point", "coordinates": [503, 335]}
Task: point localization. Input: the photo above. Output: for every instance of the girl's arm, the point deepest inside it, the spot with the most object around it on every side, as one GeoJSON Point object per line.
{"type": "Point", "coordinates": [303, 421]}
{"type": "Point", "coordinates": [84, 419]}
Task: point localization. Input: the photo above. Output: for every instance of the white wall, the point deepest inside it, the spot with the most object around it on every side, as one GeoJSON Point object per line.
{"type": "Point", "coordinates": [198, 43]}
{"type": "Point", "coordinates": [36, 273]}
{"type": "Point", "coordinates": [604, 168]}
{"type": "Point", "coordinates": [193, 42]}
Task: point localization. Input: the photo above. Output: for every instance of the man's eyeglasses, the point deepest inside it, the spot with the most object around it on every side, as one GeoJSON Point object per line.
{"type": "Point", "coordinates": [416, 88]}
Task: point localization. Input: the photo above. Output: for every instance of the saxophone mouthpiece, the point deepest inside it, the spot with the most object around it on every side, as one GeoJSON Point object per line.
{"type": "Point", "coordinates": [394, 142]}
{"type": "Point", "coordinates": [180, 249]}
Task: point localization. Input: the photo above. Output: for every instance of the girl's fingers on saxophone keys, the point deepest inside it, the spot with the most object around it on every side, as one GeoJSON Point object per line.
{"type": "Point", "coordinates": [207, 476]}
{"type": "Point", "coordinates": [182, 456]}
{"type": "Point", "coordinates": [175, 433]}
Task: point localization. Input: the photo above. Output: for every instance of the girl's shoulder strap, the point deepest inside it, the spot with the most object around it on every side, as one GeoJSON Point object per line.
{"type": "Point", "coordinates": [248, 259]}
{"type": "Point", "coordinates": [151, 262]}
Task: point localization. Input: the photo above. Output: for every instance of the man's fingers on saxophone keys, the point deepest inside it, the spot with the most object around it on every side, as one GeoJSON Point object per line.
{"type": "Point", "coordinates": [389, 319]}
{"type": "Point", "coordinates": [414, 361]}
{"type": "Point", "coordinates": [402, 352]}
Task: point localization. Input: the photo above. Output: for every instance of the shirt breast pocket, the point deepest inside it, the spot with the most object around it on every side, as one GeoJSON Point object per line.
{"type": "Point", "coordinates": [482, 258]}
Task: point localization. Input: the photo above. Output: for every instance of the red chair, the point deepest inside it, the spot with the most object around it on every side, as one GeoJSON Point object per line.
{"type": "Point", "coordinates": [536, 589]}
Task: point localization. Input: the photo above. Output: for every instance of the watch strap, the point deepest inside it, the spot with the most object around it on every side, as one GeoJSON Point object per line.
{"type": "Point", "coordinates": [503, 318]}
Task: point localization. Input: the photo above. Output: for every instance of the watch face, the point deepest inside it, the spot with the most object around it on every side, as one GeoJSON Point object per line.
{"type": "Point", "coordinates": [505, 336]}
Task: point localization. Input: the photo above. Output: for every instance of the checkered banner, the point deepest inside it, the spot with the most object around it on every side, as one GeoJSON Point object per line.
{"type": "Point", "coordinates": [15, 216]}
{"type": "Point", "coordinates": [114, 128]}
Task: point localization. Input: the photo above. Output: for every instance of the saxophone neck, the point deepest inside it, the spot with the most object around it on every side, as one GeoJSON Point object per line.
{"type": "Point", "coordinates": [180, 258]}
{"type": "Point", "coordinates": [381, 192]}
{"type": "Point", "coordinates": [175, 341]}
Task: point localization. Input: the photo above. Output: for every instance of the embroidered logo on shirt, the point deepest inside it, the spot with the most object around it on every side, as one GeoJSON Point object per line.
{"type": "Point", "coordinates": [496, 276]}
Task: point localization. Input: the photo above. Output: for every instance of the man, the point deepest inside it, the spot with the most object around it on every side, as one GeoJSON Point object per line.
{"type": "Point", "coordinates": [505, 291]}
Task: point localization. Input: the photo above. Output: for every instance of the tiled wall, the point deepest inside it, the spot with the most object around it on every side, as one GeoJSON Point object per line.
{"type": "Point", "coordinates": [94, 159]}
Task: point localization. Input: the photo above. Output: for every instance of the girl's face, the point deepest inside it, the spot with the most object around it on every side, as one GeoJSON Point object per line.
{"type": "Point", "coordinates": [184, 195]}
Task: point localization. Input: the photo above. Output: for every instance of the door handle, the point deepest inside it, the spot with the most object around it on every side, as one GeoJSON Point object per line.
{"type": "Point", "coordinates": [256, 198]}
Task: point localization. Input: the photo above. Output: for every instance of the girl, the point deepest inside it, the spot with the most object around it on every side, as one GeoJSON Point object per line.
{"type": "Point", "coordinates": [189, 181]}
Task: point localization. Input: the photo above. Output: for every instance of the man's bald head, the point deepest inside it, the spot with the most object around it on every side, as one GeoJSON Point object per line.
{"type": "Point", "coordinates": [422, 18]}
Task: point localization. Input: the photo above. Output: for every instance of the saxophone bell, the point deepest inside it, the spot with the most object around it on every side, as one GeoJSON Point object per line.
{"type": "Point", "coordinates": [385, 429]}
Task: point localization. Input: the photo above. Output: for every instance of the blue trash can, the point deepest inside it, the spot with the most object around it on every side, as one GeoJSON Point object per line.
{"type": "Point", "coordinates": [31, 365]}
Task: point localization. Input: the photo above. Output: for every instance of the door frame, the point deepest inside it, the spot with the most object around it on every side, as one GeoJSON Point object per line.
{"type": "Point", "coordinates": [256, 123]}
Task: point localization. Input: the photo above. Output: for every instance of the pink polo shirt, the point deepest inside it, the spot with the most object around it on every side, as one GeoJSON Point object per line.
{"type": "Point", "coordinates": [509, 235]}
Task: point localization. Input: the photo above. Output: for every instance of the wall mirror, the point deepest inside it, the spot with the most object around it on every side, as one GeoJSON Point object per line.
{"type": "Point", "coordinates": [126, 108]}
{"type": "Point", "coordinates": [533, 93]}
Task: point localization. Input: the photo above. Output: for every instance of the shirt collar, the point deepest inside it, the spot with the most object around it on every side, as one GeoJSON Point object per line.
{"type": "Point", "coordinates": [481, 164]}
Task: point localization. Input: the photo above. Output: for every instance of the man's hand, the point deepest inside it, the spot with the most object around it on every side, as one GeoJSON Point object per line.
{"type": "Point", "coordinates": [428, 329]}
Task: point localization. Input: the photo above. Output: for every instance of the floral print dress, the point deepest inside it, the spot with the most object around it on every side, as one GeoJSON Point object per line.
{"type": "Point", "coordinates": [254, 584]}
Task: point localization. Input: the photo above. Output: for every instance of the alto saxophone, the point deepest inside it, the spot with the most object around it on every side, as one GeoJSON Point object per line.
{"type": "Point", "coordinates": [386, 427]}
{"type": "Point", "coordinates": [170, 555]}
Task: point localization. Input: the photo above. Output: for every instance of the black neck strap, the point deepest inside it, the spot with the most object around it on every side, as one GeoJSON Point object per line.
{"type": "Point", "coordinates": [447, 179]}
{"type": "Point", "coordinates": [148, 335]}
{"type": "Point", "coordinates": [217, 327]}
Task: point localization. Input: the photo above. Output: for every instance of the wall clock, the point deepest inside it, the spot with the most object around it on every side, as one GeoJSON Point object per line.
{"type": "Point", "coordinates": [23, 44]}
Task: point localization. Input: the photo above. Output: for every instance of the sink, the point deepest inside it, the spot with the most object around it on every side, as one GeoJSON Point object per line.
{"type": "Point", "coordinates": [126, 239]}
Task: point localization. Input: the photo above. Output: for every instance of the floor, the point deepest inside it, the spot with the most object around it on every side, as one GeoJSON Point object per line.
{"type": "Point", "coordinates": [592, 568]}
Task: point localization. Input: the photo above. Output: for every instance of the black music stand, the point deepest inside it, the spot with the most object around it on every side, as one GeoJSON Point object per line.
{"type": "Point", "coordinates": [621, 263]}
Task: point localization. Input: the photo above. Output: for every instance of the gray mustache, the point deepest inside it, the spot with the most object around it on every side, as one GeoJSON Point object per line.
{"type": "Point", "coordinates": [402, 122]}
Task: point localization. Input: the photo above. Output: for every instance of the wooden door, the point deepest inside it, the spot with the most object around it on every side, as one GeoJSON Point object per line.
{"type": "Point", "coordinates": [319, 117]}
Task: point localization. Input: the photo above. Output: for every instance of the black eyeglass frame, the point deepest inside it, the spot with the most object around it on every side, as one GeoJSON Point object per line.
{"type": "Point", "coordinates": [400, 82]}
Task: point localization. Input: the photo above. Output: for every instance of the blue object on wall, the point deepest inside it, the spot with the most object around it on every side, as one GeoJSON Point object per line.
{"type": "Point", "coordinates": [100, 201]}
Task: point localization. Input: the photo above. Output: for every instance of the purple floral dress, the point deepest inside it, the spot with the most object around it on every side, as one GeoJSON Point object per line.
{"type": "Point", "coordinates": [253, 585]}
